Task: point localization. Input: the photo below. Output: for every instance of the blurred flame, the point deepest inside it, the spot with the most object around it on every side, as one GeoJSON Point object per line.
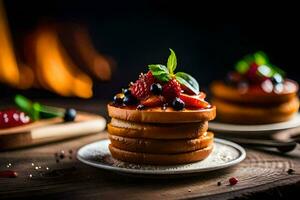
{"type": "Point", "coordinates": [49, 65]}
{"type": "Point", "coordinates": [9, 72]}
{"type": "Point", "coordinates": [96, 63]}
{"type": "Point", "coordinates": [56, 70]}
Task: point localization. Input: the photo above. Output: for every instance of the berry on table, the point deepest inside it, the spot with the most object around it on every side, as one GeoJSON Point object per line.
{"type": "Point", "coordinates": [70, 115]}
{"type": "Point", "coordinates": [233, 181]}
{"type": "Point", "coordinates": [156, 89]}
{"type": "Point", "coordinates": [13, 117]}
{"type": "Point", "coordinates": [178, 104]}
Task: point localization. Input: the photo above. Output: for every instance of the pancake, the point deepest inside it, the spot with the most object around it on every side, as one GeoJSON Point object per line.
{"type": "Point", "coordinates": [161, 146]}
{"type": "Point", "coordinates": [160, 159]}
{"type": "Point", "coordinates": [156, 131]}
{"type": "Point", "coordinates": [254, 95]}
{"type": "Point", "coordinates": [243, 114]}
{"type": "Point", "coordinates": [157, 115]}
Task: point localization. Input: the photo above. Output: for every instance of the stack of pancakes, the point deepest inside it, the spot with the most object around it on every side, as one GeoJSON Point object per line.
{"type": "Point", "coordinates": [160, 137]}
{"type": "Point", "coordinates": [255, 106]}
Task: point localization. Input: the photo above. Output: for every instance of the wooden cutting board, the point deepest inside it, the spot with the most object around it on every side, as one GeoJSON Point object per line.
{"type": "Point", "coordinates": [50, 130]}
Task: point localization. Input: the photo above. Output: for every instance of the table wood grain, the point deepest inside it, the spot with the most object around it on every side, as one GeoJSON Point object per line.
{"type": "Point", "coordinates": [70, 179]}
{"type": "Point", "coordinates": [263, 175]}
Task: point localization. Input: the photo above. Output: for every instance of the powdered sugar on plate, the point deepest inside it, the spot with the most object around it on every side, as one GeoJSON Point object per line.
{"type": "Point", "coordinates": [224, 154]}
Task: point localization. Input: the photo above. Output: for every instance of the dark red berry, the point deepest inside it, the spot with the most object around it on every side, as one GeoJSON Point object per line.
{"type": "Point", "coordinates": [12, 118]}
{"type": "Point", "coordinates": [141, 88]}
{"type": "Point", "coordinates": [178, 104]}
{"type": "Point", "coordinates": [233, 181]}
{"type": "Point", "coordinates": [156, 89]}
{"type": "Point", "coordinates": [8, 174]}
{"type": "Point", "coordinates": [171, 90]}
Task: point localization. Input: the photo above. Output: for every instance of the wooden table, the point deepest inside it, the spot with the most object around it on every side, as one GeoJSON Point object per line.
{"type": "Point", "coordinates": [262, 174]}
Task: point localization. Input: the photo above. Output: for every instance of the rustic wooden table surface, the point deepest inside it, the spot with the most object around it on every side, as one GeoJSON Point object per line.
{"type": "Point", "coordinates": [263, 174]}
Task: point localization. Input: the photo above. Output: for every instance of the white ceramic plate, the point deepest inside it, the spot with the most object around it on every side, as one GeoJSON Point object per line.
{"type": "Point", "coordinates": [225, 154]}
{"type": "Point", "coordinates": [259, 129]}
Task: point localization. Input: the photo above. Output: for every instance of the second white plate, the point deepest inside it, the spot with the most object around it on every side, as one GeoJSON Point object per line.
{"type": "Point", "coordinates": [254, 129]}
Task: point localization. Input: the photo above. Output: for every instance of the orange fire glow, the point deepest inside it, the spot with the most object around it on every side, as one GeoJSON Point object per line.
{"type": "Point", "coordinates": [9, 72]}
{"type": "Point", "coordinates": [49, 65]}
{"type": "Point", "coordinates": [56, 70]}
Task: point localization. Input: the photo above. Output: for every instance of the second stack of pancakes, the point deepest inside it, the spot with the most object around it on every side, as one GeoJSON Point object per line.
{"type": "Point", "coordinates": [159, 141]}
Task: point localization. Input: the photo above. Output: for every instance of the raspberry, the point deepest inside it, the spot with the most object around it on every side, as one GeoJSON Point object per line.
{"type": "Point", "coordinates": [171, 90]}
{"type": "Point", "coordinates": [141, 88]}
{"type": "Point", "coordinates": [233, 181]}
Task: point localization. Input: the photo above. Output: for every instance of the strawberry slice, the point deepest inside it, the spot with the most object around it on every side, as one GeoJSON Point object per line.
{"type": "Point", "coordinates": [186, 90]}
{"type": "Point", "coordinates": [201, 95]}
{"type": "Point", "coordinates": [194, 100]}
{"type": "Point", "coordinates": [153, 101]}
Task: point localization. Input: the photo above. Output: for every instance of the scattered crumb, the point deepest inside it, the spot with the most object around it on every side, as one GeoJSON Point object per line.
{"type": "Point", "coordinates": [290, 171]}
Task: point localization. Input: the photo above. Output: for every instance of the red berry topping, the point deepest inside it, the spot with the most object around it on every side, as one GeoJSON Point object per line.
{"type": "Point", "coordinates": [196, 101]}
{"type": "Point", "coordinates": [253, 74]}
{"type": "Point", "coordinates": [171, 90]}
{"type": "Point", "coordinates": [233, 181]}
{"type": "Point", "coordinates": [141, 88]}
{"type": "Point", "coordinates": [12, 117]}
{"type": "Point", "coordinates": [153, 101]}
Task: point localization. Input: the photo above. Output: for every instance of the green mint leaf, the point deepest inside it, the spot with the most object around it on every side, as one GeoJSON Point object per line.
{"type": "Point", "coordinates": [172, 62]}
{"type": "Point", "coordinates": [261, 58]}
{"type": "Point", "coordinates": [188, 81]}
{"type": "Point", "coordinates": [242, 67]}
{"type": "Point", "coordinates": [160, 72]}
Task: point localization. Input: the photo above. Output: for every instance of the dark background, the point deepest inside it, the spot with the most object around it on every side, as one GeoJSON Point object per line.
{"type": "Point", "coordinates": [208, 39]}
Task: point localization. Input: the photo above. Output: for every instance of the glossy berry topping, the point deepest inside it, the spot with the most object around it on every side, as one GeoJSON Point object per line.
{"type": "Point", "coordinates": [126, 91]}
{"type": "Point", "coordinates": [118, 99]}
{"type": "Point", "coordinates": [70, 115]}
{"type": "Point", "coordinates": [196, 101]}
{"type": "Point", "coordinates": [156, 88]}
{"type": "Point", "coordinates": [140, 107]}
{"type": "Point", "coordinates": [178, 104]}
{"type": "Point", "coordinates": [129, 100]}
{"type": "Point", "coordinates": [153, 101]}
{"type": "Point", "coordinates": [171, 90]}
{"type": "Point", "coordinates": [141, 88]}
{"type": "Point", "coordinates": [13, 118]}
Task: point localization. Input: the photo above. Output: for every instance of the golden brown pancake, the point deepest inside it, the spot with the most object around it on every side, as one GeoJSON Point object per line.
{"type": "Point", "coordinates": [155, 146]}
{"type": "Point", "coordinates": [157, 115]}
{"type": "Point", "coordinates": [156, 131]}
{"type": "Point", "coordinates": [160, 159]}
